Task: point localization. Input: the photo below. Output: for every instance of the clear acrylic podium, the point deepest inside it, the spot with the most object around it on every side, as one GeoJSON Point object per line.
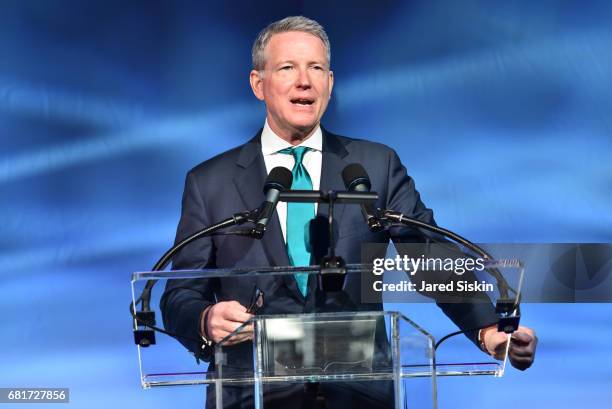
{"type": "Point", "coordinates": [381, 354]}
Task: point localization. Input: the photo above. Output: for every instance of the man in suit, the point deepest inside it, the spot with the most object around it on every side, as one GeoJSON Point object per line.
{"type": "Point", "coordinates": [291, 74]}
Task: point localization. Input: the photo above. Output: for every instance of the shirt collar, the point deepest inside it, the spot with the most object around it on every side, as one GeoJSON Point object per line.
{"type": "Point", "coordinates": [272, 143]}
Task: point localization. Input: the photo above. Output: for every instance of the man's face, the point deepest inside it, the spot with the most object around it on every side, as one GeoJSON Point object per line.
{"type": "Point", "coordinates": [296, 83]}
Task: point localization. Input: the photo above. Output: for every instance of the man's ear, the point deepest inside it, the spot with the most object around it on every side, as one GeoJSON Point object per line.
{"type": "Point", "coordinates": [331, 82]}
{"type": "Point", "coordinates": [256, 80]}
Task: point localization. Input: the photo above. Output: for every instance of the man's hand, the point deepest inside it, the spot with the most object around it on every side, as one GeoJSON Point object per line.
{"type": "Point", "coordinates": [523, 344]}
{"type": "Point", "coordinates": [224, 318]}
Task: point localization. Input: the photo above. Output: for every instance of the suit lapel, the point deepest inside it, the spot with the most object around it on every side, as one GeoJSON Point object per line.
{"type": "Point", "coordinates": [249, 181]}
{"type": "Point", "coordinates": [332, 165]}
{"type": "Point", "coordinates": [333, 162]}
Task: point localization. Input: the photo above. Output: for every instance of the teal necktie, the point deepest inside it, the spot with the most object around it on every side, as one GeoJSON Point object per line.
{"type": "Point", "coordinates": [298, 218]}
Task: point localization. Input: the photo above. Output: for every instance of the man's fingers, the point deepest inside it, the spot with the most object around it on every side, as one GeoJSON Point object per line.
{"type": "Point", "coordinates": [223, 328]}
{"type": "Point", "coordinates": [523, 344]}
{"type": "Point", "coordinates": [231, 326]}
{"type": "Point", "coordinates": [225, 317]}
{"type": "Point", "coordinates": [235, 338]}
{"type": "Point", "coordinates": [495, 343]}
{"type": "Point", "coordinates": [221, 325]}
{"type": "Point", "coordinates": [520, 354]}
{"type": "Point", "coordinates": [521, 363]}
{"type": "Point", "coordinates": [526, 330]}
{"type": "Point", "coordinates": [500, 352]}
{"type": "Point", "coordinates": [525, 351]}
{"type": "Point", "coordinates": [521, 338]}
{"type": "Point", "coordinates": [234, 311]}
{"type": "Point", "coordinates": [522, 348]}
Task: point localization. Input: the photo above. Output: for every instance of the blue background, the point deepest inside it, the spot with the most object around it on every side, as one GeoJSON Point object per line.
{"type": "Point", "coordinates": [499, 110]}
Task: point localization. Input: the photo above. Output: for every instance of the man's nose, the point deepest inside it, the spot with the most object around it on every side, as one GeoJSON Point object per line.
{"type": "Point", "coordinates": [303, 80]}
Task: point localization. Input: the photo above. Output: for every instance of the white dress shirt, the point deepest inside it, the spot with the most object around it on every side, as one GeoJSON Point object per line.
{"type": "Point", "coordinates": [272, 143]}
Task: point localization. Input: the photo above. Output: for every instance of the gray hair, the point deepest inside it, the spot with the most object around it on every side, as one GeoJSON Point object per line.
{"type": "Point", "coordinates": [293, 23]}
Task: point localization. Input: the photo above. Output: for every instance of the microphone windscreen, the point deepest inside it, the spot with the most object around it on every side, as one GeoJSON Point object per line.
{"type": "Point", "coordinates": [279, 178]}
{"type": "Point", "coordinates": [354, 175]}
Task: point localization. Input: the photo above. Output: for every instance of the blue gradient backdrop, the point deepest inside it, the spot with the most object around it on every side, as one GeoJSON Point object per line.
{"type": "Point", "coordinates": [499, 109]}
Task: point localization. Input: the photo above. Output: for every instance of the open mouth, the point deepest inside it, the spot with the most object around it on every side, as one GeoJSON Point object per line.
{"type": "Point", "coordinates": [302, 101]}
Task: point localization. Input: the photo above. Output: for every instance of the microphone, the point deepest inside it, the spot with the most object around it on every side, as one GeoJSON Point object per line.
{"type": "Point", "coordinates": [356, 179]}
{"type": "Point", "coordinates": [278, 179]}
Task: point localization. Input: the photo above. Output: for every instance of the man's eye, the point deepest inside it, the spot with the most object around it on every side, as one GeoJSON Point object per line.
{"type": "Point", "coordinates": [286, 67]}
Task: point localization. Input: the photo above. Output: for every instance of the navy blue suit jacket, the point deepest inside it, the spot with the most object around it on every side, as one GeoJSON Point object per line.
{"type": "Point", "coordinates": [232, 182]}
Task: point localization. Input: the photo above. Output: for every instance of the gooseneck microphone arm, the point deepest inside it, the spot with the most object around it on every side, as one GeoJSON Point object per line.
{"type": "Point", "coordinates": [237, 219]}
{"type": "Point", "coordinates": [144, 320]}
{"type": "Point", "coordinates": [277, 181]}
{"type": "Point", "coordinates": [387, 216]}
{"type": "Point", "coordinates": [356, 178]}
